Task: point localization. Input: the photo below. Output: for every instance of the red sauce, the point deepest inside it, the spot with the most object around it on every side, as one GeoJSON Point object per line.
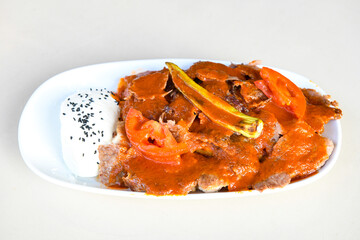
{"type": "Point", "coordinates": [287, 145]}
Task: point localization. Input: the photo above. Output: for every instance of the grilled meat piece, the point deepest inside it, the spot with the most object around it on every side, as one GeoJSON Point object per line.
{"type": "Point", "coordinates": [300, 152]}
{"type": "Point", "coordinates": [110, 167]}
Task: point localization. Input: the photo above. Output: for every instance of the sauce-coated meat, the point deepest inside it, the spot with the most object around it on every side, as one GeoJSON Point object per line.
{"type": "Point", "coordinates": [288, 148]}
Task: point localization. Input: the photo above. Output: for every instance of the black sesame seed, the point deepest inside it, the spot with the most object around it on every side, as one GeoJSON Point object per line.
{"type": "Point", "coordinates": [64, 114]}
{"type": "Point", "coordinates": [95, 152]}
{"type": "Point", "coordinates": [70, 137]}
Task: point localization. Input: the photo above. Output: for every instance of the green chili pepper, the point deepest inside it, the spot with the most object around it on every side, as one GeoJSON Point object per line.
{"type": "Point", "coordinates": [218, 110]}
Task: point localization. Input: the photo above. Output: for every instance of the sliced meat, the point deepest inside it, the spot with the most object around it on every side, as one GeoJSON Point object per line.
{"type": "Point", "coordinates": [124, 167]}
{"type": "Point", "coordinates": [274, 181]}
{"type": "Point", "coordinates": [250, 93]}
{"type": "Point", "coordinates": [316, 98]}
{"type": "Point", "coordinates": [144, 92]}
{"type": "Point", "coordinates": [244, 95]}
{"type": "Point", "coordinates": [282, 115]}
{"type": "Point", "coordinates": [159, 178]}
{"type": "Point", "coordinates": [218, 88]}
{"type": "Point", "coordinates": [316, 115]}
{"type": "Point", "coordinates": [237, 103]}
{"type": "Point", "coordinates": [110, 168]}
{"type": "Point", "coordinates": [299, 153]}
{"type": "Point", "coordinates": [234, 166]}
{"type": "Point", "coordinates": [319, 109]}
{"type": "Point", "coordinates": [205, 130]}
{"type": "Point", "coordinates": [270, 134]}
{"type": "Point", "coordinates": [134, 183]}
{"type": "Point", "coordinates": [206, 71]}
{"type": "Point", "coordinates": [239, 161]}
{"type": "Point", "coordinates": [180, 109]}
{"type": "Point", "coordinates": [111, 171]}
{"type": "Point", "coordinates": [123, 89]}
{"type": "Point", "coordinates": [143, 85]}
{"type": "Point", "coordinates": [193, 140]}
{"type": "Point", "coordinates": [150, 85]}
{"type": "Point", "coordinates": [210, 183]}
{"type": "Point", "coordinates": [150, 108]}
{"type": "Point", "coordinates": [319, 115]}
{"type": "Point", "coordinates": [248, 71]}
{"type": "Point", "coordinates": [216, 71]}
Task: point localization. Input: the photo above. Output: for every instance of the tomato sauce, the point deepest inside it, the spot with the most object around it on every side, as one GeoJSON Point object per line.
{"type": "Point", "coordinates": [289, 148]}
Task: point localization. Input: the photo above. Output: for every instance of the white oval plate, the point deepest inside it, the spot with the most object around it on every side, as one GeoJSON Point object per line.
{"type": "Point", "coordinates": [39, 127]}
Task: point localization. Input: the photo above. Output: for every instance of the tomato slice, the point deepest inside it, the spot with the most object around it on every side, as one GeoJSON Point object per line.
{"type": "Point", "coordinates": [153, 140]}
{"type": "Point", "coordinates": [283, 91]}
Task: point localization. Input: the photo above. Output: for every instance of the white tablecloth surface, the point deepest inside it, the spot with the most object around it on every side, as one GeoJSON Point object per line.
{"type": "Point", "coordinates": [318, 39]}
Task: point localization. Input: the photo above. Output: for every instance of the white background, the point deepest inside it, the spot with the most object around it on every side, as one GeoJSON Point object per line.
{"type": "Point", "coordinates": [318, 39]}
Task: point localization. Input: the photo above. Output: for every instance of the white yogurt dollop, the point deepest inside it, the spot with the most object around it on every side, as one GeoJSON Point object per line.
{"type": "Point", "coordinates": [88, 119]}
